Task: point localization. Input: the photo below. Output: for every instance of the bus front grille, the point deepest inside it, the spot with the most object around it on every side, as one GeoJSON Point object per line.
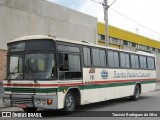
{"type": "Point", "coordinates": [20, 100]}
{"type": "Point", "coordinates": [23, 90]}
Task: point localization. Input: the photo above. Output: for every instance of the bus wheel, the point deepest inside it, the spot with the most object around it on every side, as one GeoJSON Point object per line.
{"type": "Point", "coordinates": [136, 93]}
{"type": "Point", "coordinates": [30, 109]}
{"type": "Point", "coordinates": [70, 103]}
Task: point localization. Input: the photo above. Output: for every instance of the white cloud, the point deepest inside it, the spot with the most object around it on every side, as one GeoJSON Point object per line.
{"type": "Point", "coordinates": [73, 4]}
{"type": "Point", "coordinates": [144, 12]}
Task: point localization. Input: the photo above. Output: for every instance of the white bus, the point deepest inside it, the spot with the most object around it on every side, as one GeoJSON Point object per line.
{"type": "Point", "coordinates": [54, 73]}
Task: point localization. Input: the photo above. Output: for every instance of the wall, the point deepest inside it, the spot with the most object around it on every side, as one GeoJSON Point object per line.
{"type": "Point", "coordinates": [2, 64]}
{"type": "Point", "coordinates": [30, 17]}
{"type": "Point", "coordinates": [158, 65]}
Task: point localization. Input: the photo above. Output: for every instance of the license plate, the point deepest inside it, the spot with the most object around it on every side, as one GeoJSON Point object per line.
{"type": "Point", "coordinates": [22, 105]}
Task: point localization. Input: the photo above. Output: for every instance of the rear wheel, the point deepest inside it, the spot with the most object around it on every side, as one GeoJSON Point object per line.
{"type": "Point", "coordinates": [70, 103]}
{"type": "Point", "coordinates": [136, 93]}
{"type": "Point", "coordinates": [30, 109]}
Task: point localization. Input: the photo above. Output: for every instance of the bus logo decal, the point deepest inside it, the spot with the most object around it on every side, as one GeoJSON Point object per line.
{"type": "Point", "coordinates": [92, 70]}
{"type": "Point", "coordinates": [104, 74]}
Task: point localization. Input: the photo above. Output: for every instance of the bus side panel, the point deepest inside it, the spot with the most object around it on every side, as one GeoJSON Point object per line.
{"type": "Point", "coordinates": [105, 84]}
{"type": "Point", "coordinates": [61, 99]}
{"type": "Point", "coordinates": [92, 95]}
{"type": "Point", "coordinates": [102, 94]}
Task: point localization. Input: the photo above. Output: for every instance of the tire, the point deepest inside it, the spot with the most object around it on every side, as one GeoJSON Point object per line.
{"type": "Point", "coordinates": [136, 93]}
{"type": "Point", "coordinates": [30, 109]}
{"type": "Point", "coordinates": [70, 103]}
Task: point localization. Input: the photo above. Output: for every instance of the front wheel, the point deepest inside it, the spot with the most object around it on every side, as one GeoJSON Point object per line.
{"type": "Point", "coordinates": [136, 93]}
{"type": "Point", "coordinates": [30, 109]}
{"type": "Point", "coordinates": [70, 103]}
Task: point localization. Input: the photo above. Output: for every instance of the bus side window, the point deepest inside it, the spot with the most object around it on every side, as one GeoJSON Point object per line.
{"type": "Point", "coordinates": [87, 56]}
{"type": "Point", "coordinates": [113, 59]}
{"type": "Point", "coordinates": [69, 66]}
{"type": "Point", "coordinates": [99, 57]}
{"type": "Point", "coordinates": [150, 63]}
{"type": "Point", "coordinates": [63, 62]}
{"type": "Point", "coordinates": [143, 62]}
{"type": "Point", "coordinates": [134, 61]}
{"type": "Point", "coordinates": [125, 62]}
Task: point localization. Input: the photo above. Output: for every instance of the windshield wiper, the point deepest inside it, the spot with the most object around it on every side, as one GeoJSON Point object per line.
{"type": "Point", "coordinates": [11, 74]}
{"type": "Point", "coordinates": [30, 71]}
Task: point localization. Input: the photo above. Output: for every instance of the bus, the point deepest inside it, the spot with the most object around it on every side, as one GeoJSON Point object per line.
{"type": "Point", "coordinates": [54, 73]}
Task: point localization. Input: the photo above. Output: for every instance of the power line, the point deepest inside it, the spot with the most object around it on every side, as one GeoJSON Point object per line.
{"type": "Point", "coordinates": [127, 17]}
{"type": "Point", "coordinates": [135, 22]}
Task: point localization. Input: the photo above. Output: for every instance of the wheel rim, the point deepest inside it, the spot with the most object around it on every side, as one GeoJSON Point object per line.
{"type": "Point", "coordinates": [69, 101]}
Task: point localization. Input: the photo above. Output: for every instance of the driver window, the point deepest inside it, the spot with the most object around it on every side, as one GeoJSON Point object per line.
{"type": "Point", "coordinates": [69, 66]}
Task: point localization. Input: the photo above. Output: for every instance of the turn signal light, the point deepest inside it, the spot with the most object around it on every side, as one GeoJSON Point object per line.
{"type": "Point", "coordinates": [49, 102]}
{"type": "Point", "coordinates": [64, 91]}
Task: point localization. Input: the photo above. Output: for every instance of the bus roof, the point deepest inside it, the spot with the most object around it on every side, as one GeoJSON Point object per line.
{"type": "Point", "coordinates": [31, 37]}
{"type": "Point", "coordinates": [34, 37]}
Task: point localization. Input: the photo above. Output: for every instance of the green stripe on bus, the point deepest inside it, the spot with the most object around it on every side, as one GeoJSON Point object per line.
{"type": "Point", "coordinates": [147, 82]}
{"type": "Point", "coordinates": [106, 85]}
{"type": "Point", "coordinates": [46, 90]}
{"type": "Point", "coordinates": [92, 86]}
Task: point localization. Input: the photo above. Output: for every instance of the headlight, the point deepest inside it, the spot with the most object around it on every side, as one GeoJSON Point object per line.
{"type": "Point", "coordinates": [38, 101]}
{"type": "Point", "coordinates": [9, 100]}
{"type": "Point", "coordinates": [6, 100]}
{"type": "Point", "coordinates": [43, 101]}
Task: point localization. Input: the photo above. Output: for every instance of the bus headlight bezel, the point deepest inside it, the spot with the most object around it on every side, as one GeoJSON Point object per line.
{"type": "Point", "coordinates": [6, 100]}
{"type": "Point", "coordinates": [38, 101]}
{"type": "Point", "coordinates": [43, 101]}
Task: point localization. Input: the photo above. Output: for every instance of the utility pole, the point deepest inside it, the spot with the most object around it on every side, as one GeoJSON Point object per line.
{"type": "Point", "coordinates": [106, 7]}
{"type": "Point", "coordinates": [106, 22]}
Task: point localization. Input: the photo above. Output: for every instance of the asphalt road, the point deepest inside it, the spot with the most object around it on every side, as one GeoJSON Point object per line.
{"type": "Point", "coordinates": [147, 102]}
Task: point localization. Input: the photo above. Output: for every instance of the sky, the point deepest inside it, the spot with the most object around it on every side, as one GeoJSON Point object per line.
{"type": "Point", "coordinates": [137, 16]}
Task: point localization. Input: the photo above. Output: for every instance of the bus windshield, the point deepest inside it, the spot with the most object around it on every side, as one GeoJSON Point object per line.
{"type": "Point", "coordinates": [32, 66]}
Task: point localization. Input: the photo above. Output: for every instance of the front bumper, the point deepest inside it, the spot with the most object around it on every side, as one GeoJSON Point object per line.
{"type": "Point", "coordinates": [30, 101]}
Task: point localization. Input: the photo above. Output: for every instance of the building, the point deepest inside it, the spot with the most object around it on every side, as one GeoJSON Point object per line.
{"type": "Point", "coordinates": [122, 39]}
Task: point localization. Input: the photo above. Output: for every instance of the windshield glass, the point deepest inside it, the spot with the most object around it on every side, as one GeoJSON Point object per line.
{"type": "Point", "coordinates": [32, 66]}
{"type": "Point", "coordinates": [16, 67]}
